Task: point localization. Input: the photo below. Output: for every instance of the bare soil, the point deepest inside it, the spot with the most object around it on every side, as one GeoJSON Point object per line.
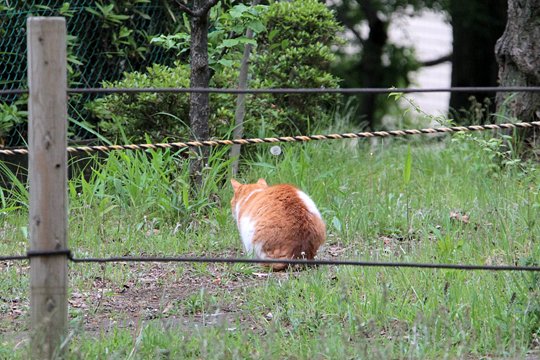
{"type": "Point", "coordinates": [166, 291]}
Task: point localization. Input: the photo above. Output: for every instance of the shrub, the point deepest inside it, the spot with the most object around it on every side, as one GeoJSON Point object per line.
{"type": "Point", "coordinates": [116, 42]}
{"type": "Point", "coordinates": [160, 115]}
{"type": "Point", "coordinates": [293, 50]}
{"type": "Point", "coordinates": [11, 115]}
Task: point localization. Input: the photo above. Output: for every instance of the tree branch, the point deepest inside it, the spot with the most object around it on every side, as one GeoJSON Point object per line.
{"type": "Point", "coordinates": [355, 32]}
{"type": "Point", "coordinates": [197, 12]}
{"type": "Point", "coordinates": [370, 12]}
{"type": "Point", "coordinates": [206, 7]}
{"type": "Point", "coordinates": [437, 61]}
{"type": "Point", "coordinates": [185, 9]}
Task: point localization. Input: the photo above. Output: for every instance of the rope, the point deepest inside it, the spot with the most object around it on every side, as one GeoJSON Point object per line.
{"type": "Point", "coordinates": [299, 138]}
{"type": "Point", "coordinates": [468, 267]}
{"type": "Point", "coordinates": [290, 90]}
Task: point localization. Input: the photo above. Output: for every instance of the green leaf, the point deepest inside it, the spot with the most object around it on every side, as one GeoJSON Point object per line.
{"type": "Point", "coordinates": [124, 32]}
{"type": "Point", "coordinates": [237, 11]}
{"type": "Point", "coordinates": [407, 168]}
{"type": "Point", "coordinates": [256, 25]}
{"type": "Point", "coordinates": [336, 223]}
{"type": "Point", "coordinates": [272, 34]}
{"type": "Point", "coordinates": [92, 11]}
{"type": "Point", "coordinates": [395, 95]}
{"type": "Point", "coordinates": [227, 43]}
{"type": "Point", "coordinates": [226, 62]}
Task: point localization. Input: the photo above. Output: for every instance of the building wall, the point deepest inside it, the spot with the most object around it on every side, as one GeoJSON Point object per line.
{"type": "Point", "coordinates": [431, 36]}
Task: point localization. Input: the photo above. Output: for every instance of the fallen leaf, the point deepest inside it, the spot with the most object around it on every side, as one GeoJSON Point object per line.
{"type": "Point", "coordinates": [261, 275]}
{"type": "Point", "coordinates": [458, 216]}
{"type": "Point", "coordinates": [167, 308]}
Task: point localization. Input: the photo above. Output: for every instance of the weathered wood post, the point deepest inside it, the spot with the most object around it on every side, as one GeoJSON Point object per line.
{"type": "Point", "coordinates": [240, 112]}
{"type": "Point", "coordinates": [47, 166]}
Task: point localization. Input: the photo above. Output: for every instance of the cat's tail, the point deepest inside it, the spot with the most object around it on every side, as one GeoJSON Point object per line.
{"type": "Point", "coordinates": [279, 266]}
{"type": "Point", "coordinates": [282, 266]}
{"type": "Point", "coordinates": [303, 250]}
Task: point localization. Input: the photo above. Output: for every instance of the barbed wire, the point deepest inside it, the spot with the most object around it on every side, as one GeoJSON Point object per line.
{"type": "Point", "coordinates": [180, 259]}
{"type": "Point", "coordinates": [298, 138]}
{"type": "Point", "coordinates": [289, 90]}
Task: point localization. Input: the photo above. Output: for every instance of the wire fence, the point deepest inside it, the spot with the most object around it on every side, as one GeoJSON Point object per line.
{"type": "Point", "coordinates": [114, 45]}
{"type": "Point", "coordinates": [12, 90]}
{"type": "Point", "coordinates": [303, 262]}
{"type": "Point", "coordinates": [352, 91]}
{"type": "Point", "coordinates": [109, 59]}
{"type": "Point", "coordinates": [52, 260]}
{"type": "Point", "coordinates": [300, 262]}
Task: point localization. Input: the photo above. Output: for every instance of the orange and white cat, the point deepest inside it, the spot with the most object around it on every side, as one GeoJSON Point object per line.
{"type": "Point", "coordinates": [277, 222]}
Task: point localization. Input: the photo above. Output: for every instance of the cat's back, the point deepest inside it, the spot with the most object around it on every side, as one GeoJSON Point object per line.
{"type": "Point", "coordinates": [284, 201]}
{"type": "Point", "coordinates": [277, 222]}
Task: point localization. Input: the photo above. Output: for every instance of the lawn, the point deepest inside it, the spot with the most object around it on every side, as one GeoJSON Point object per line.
{"type": "Point", "coordinates": [464, 202]}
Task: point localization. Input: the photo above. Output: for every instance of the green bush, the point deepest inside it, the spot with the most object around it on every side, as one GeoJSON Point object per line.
{"type": "Point", "coordinates": [293, 50]}
{"type": "Point", "coordinates": [10, 116]}
{"type": "Point", "coordinates": [160, 115]}
{"type": "Point", "coordinates": [117, 42]}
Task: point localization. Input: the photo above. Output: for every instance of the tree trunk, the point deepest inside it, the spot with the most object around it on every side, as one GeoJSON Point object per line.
{"type": "Point", "coordinates": [518, 55]}
{"type": "Point", "coordinates": [240, 112]}
{"type": "Point", "coordinates": [476, 26]}
{"type": "Point", "coordinates": [371, 66]}
{"type": "Point", "coordinates": [199, 108]}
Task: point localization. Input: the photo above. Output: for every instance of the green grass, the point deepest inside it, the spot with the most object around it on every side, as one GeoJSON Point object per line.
{"type": "Point", "coordinates": [379, 204]}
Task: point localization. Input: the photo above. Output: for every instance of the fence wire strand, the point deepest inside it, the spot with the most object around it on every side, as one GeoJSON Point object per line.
{"type": "Point", "coordinates": [299, 138]}
{"type": "Point", "coordinates": [456, 89]}
{"type": "Point", "coordinates": [124, 259]}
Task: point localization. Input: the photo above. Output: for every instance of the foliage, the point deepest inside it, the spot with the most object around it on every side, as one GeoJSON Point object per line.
{"type": "Point", "coordinates": [227, 38]}
{"type": "Point", "coordinates": [492, 153]}
{"type": "Point", "coordinates": [105, 39]}
{"type": "Point", "coordinates": [11, 115]}
{"type": "Point", "coordinates": [296, 52]}
{"type": "Point", "coordinates": [160, 115]}
{"type": "Point", "coordinates": [156, 183]}
{"type": "Point", "coordinates": [14, 193]}
{"type": "Point", "coordinates": [122, 36]}
{"type": "Point", "coordinates": [301, 33]}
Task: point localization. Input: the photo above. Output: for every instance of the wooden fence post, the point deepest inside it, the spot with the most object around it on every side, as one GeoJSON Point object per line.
{"type": "Point", "coordinates": [47, 167]}
{"type": "Point", "coordinates": [240, 111]}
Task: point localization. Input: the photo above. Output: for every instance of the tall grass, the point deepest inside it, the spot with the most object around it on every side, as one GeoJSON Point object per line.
{"type": "Point", "coordinates": [153, 183]}
{"type": "Point", "coordinates": [14, 192]}
{"type": "Point", "coordinates": [392, 203]}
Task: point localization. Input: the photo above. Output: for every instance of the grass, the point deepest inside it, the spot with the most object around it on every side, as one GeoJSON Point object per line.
{"type": "Point", "coordinates": [379, 204]}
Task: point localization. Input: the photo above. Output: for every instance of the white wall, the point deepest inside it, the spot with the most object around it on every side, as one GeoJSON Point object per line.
{"type": "Point", "coordinates": [431, 37]}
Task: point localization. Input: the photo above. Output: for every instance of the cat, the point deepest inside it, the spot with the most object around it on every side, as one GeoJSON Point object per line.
{"type": "Point", "coordinates": [277, 222]}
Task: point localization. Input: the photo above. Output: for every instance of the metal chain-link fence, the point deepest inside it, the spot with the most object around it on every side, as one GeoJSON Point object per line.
{"type": "Point", "coordinates": [105, 39]}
